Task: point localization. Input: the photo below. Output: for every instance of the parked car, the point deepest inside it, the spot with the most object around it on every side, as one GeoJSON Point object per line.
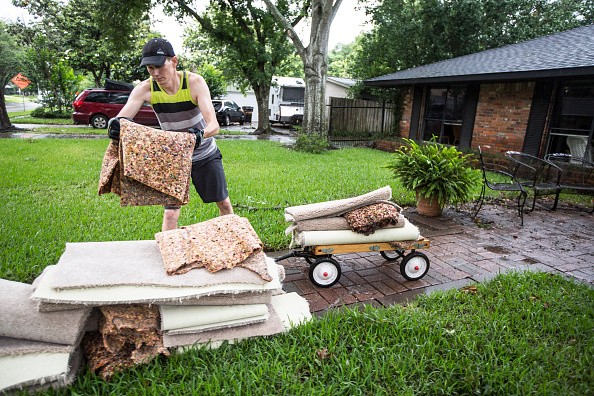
{"type": "Point", "coordinates": [96, 106]}
{"type": "Point", "coordinates": [228, 111]}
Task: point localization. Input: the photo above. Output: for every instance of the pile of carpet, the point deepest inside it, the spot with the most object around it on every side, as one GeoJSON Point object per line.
{"type": "Point", "coordinates": [119, 304]}
{"type": "Point", "coordinates": [367, 218]}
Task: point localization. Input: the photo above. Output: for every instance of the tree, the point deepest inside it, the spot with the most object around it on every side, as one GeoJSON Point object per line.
{"type": "Point", "coordinates": [10, 63]}
{"type": "Point", "coordinates": [98, 35]}
{"type": "Point", "coordinates": [409, 33]}
{"type": "Point", "coordinates": [254, 47]}
{"type": "Point", "coordinates": [314, 58]}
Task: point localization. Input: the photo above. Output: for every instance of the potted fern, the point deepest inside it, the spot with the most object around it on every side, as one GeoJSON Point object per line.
{"type": "Point", "coordinates": [439, 174]}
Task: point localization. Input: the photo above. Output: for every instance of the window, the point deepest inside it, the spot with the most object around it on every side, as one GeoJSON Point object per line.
{"type": "Point", "coordinates": [97, 97]}
{"type": "Point", "coordinates": [118, 97]}
{"type": "Point", "coordinates": [572, 124]}
{"type": "Point", "coordinates": [443, 118]}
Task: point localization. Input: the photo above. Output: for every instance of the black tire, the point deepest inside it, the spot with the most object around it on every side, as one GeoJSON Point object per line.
{"type": "Point", "coordinates": [324, 272]}
{"type": "Point", "coordinates": [414, 266]}
{"type": "Point", "coordinates": [99, 121]}
{"type": "Point", "coordinates": [226, 120]}
{"type": "Point", "coordinates": [313, 259]}
{"type": "Point", "coordinates": [392, 255]}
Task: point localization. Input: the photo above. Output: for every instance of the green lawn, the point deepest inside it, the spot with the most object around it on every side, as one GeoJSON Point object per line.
{"type": "Point", "coordinates": [517, 334]}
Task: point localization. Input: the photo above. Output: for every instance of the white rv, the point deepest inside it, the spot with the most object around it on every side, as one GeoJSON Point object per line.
{"type": "Point", "coordinates": [285, 104]}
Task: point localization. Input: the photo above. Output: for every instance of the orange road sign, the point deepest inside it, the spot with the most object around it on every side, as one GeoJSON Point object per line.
{"type": "Point", "coordinates": [21, 81]}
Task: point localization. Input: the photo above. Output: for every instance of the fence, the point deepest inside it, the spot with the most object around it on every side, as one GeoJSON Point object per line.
{"type": "Point", "coordinates": [359, 120]}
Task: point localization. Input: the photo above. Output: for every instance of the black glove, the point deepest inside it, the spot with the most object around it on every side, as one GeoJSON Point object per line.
{"type": "Point", "coordinates": [113, 127]}
{"type": "Point", "coordinates": [199, 133]}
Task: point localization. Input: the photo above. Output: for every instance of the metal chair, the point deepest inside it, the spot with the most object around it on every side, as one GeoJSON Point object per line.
{"type": "Point", "coordinates": [537, 174]}
{"type": "Point", "coordinates": [511, 184]}
{"type": "Point", "coordinates": [577, 175]}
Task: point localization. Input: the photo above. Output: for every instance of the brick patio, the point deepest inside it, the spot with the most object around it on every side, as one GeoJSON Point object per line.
{"type": "Point", "coordinates": [461, 253]}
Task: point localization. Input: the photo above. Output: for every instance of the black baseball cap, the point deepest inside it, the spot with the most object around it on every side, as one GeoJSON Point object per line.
{"type": "Point", "coordinates": [156, 51]}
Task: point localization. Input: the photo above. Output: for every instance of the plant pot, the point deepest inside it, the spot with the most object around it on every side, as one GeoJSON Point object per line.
{"type": "Point", "coordinates": [428, 206]}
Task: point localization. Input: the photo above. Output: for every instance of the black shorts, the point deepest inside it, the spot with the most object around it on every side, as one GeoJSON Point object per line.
{"type": "Point", "coordinates": [208, 177]}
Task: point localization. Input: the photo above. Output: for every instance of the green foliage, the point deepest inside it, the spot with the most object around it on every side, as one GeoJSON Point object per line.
{"type": "Point", "coordinates": [311, 143]}
{"type": "Point", "coordinates": [413, 33]}
{"type": "Point", "coordinates": [43, 112]}
{"type": "Point", "coordinates": [214, 78]}
{"type": "Point", "coordinates": [435, 171]}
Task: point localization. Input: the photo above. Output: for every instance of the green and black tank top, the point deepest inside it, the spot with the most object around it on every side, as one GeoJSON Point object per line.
{"type": "Point", "coordinates": [179, 112]}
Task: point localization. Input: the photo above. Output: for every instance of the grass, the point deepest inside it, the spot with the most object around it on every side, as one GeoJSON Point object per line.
{"type": "Point", "coordinates": [49, 195]}
{"type": "Point", "coordinates": [519, 334]}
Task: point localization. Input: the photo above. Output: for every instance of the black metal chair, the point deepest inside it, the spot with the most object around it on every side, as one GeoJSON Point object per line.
{"type": "Point", "coordinates": [577, 175]}
{"type": "Point", "coordinates": [509, 183]}
{"type": "Point", "coordinates": [537, 174]}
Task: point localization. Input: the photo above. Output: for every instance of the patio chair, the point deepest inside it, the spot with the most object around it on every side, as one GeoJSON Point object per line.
{"type": "Point", "coordinates": [493, 182]}
{"type": "Point", "coordinates": [577, 175]}
{"type": "Point", "coordinates": [537, 174]}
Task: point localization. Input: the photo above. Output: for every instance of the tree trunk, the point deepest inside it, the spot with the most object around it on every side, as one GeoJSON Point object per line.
{"type": "Point", "coordinates": [316, 68]}
{"type": "Point", "coordinates": [315, 61]}
{"type": "Point", "coordinates": [262, 92]}
{"type": "Point", "coordinates": [5, 123]}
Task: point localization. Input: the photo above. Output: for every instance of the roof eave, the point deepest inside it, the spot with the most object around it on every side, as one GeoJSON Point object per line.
{"type": "Point", "coordinates": [485, 78]}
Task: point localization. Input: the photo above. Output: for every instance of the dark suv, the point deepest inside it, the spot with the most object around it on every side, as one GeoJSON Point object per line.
{"type": "Point", "coordinates": [228, 111]}
{"type": "Point", "coordinates": [96, 106]}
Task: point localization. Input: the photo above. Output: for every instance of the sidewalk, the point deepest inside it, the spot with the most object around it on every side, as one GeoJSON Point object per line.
{"type": "Point", "coordinates": [461, 253]}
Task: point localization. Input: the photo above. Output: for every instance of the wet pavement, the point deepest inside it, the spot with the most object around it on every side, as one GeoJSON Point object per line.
{"type": "Point", "coordinates": [281, 134]}
{"type": "Point", "coordinates": [462, 252]}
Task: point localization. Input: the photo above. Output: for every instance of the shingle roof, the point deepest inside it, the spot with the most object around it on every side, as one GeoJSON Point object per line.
{"type": "Point", "coordinates": [570, 53]}
{"type": "Point", "coordinates": [343, 82]}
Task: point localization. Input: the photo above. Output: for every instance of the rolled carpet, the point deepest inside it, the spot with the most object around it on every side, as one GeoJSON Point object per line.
{"type": "Point", "coordinates": [409, 232]}
{"type": "Point", "coordinates": [336, 207]}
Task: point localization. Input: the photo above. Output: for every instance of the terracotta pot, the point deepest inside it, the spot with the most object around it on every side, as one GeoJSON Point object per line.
{"type": "Point", "coordinates": [428, 206]}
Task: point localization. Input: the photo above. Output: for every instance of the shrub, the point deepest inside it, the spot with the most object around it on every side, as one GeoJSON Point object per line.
{"type": "Point", "coordinates": [435, 171]}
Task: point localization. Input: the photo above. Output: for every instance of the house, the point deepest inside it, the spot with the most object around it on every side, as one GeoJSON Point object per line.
{"type": "Point", "coordinates": [536, 96]}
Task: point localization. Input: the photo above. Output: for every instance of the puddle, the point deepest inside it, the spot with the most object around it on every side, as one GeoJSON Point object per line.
{"type": "Point", "coordinates": [497, 249]}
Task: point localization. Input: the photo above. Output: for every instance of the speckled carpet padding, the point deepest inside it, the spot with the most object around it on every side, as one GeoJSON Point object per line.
{"type": "Point", "coordinates": [35, 365]}
{"type": "Point", "coordinates": [128, 335]}
{"type": "Point", "coordinates": [332, 223]}
{"type": "Point", "coordinates": [220, 243]}
{"type": "Point", "coordinates": [148, 166]}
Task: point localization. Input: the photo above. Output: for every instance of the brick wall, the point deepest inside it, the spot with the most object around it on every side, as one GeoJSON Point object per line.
{"type": "Point", "coordinates": [502, 116]}
{"type": "Point", "coordinates": [407, 103]}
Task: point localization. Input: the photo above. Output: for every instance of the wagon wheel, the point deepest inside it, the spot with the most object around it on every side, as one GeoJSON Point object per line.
{"type": "Point", "coordinates": [324, 272]}
{"type": "Point", "coordinates": [392, 255]}
{"type": "Point", "coordinates": [414, 266]}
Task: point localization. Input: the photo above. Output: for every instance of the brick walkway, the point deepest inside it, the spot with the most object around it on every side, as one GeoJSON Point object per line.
{"type": "Point", "coordinates": [461, 253]}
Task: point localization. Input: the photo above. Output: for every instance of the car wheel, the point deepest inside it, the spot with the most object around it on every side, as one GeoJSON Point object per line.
{"type": "Point", "coordinates": [226, 121]}
{"type": "Point", "coordinates": [99, 121]}
{"type": "Point", "coordinates": [242, 120]}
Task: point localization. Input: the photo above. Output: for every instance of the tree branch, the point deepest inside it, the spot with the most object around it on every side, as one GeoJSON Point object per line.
{"type": "Point", "coordinates": [287, 26]}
